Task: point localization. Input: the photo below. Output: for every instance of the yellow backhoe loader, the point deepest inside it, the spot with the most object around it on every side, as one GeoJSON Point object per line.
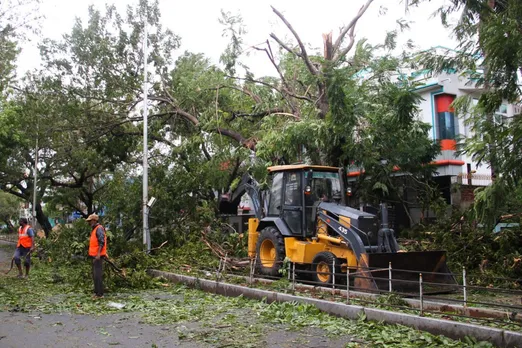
{"type": "Point", "coordinates": [304, 217]}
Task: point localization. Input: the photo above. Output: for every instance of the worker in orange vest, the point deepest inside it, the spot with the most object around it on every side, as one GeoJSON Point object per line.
{"type": "Point", "coordinates": [98, 251]}
{"type": "Point", "coordinates": [24, 247]}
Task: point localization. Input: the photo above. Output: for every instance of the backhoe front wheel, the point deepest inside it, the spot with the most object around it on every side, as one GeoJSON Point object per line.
{"type": "Point", "coordinates": [270, 250]}
{"type": "Point", "coordinates": [323, 269]}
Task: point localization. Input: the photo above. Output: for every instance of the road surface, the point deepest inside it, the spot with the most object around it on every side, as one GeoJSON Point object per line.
{"type": "Point", "coordinates": [36, 329]}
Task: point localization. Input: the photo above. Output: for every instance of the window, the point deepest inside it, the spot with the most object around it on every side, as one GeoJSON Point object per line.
{"type": "Point", "coordinates": [502, 109]}
{"type": "Point", "coordinates": [500, 114]}
{"type": "Point", "coordinates": [446, 125]}
{"type": "Point", "coordinates": [275, 194]}
{"type": "Point", "coordinates": [325, 186]}
{"type": "Point", "coordinates": [293, 192]}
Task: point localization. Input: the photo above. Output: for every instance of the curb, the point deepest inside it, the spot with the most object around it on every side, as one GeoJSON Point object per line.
{"type": "Point", "coordinates": [451, 329]}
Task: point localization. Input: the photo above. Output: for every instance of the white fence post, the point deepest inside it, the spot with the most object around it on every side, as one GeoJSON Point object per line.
{"type": "Point", "coordinates": [464, 287]}
{"type": "Point", "coordinates": [293, 277]}
{"type": "Point", "coordinates": [420, 295]}
{"type": "Point", "coordinates": [333, 274]}
{"type": "Point", "coordinates": [218, 272]}
{"type": "Point", "coordinates": [348, 285]}
{"type": "Point", "coordinates": [389, 277]}
{"type": "Point", "coordinates": [251, 272]}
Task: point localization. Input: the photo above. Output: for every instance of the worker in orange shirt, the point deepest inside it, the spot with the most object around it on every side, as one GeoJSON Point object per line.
{"type": "Point", "coordinates": [24, 247]}
{"type": "Point", "coordinates": [98, 251]}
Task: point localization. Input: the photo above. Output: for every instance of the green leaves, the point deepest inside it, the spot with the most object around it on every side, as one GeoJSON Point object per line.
{"type": "Point", "coordinates": [55, 287]}
{"type": "Point", "coordinates": [17, 19]}
{"type": "Point", "coordinates": [234, 29]}
{"type": "Point", "coordinates": [9, 210]}
{"type": "Point", "coordinates": [373, 333]}
{"type": "Point", "coordinates": [81, 107]}
{"type": "Point", "coordinates": [490, 55]}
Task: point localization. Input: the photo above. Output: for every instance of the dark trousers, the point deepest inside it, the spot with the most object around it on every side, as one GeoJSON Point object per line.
{"type": "Point", "coordinates": [22, 252]}
{"type": "Point", "coordinates": [97, 276]}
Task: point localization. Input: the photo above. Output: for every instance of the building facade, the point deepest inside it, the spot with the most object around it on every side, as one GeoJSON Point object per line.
{"type": "Point", "coordinates": [438, 92]}
{"type": "Point", "coordinates": [458, 175]}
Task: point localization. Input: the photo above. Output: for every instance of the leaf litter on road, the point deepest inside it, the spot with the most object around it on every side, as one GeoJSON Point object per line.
{"type": "Point", "coordinates": [211, 319]}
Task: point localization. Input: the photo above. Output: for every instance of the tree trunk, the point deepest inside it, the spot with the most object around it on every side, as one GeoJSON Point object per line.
{"type": "Point", "coordinates": [7, 221]}
{"type": "Point", "coordinates": [10, 226]}
{"type": "Point", "coordinates": [323, 103]}
{"type": "Point", "coordinates": [43, 220]}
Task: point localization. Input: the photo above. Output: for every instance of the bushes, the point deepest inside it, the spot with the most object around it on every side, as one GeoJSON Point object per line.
{"type": "Point", "coordinates": [485, 254]}
{"type": "Point", "coordinates": [67, 244]}
{"type": "Point", "coordinates": [66, 252]}
{"type": "Point", "coordinates": [67, 248]}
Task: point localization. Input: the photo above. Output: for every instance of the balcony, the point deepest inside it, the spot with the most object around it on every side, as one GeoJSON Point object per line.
{"type": "Point", "coordinates": [471, 179]}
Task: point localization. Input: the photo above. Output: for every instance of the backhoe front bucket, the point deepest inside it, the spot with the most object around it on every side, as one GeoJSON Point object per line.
{"type": "Point", "coordinates": [406, 268]}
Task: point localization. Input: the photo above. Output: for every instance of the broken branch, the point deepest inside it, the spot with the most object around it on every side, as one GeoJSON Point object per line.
{"type": "Point", "coordinates": [304, 54]}
{"type": "Point", "coordinates": [349, 27]}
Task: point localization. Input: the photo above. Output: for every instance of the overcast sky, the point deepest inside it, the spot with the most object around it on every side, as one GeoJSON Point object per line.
{"type": "Point", "coordinates": [196, 21]}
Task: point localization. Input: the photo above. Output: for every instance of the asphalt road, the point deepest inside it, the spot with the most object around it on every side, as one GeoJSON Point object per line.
{"type": "Point", "coordinates": [21, 329]}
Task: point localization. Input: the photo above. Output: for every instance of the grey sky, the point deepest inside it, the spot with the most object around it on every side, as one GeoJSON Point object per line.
{"type": "Point", "coordinates": [196, 21]}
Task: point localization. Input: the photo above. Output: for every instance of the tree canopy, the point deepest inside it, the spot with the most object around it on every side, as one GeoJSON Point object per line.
{"type": "Point", "coordinates": [350, 106]}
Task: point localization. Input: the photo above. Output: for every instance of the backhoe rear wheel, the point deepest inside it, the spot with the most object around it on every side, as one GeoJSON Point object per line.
{"type": "Point", "coordinates": [270, 250]}
{"type": "Point", "coordinates": [323, 269]}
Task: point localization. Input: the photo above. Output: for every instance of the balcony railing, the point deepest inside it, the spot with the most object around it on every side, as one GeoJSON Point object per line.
{"type": "Point", "coordinates": [472, 179]}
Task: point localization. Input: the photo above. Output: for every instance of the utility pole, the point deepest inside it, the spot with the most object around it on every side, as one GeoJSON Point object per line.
{"type": "Point", "coordinates": [490, 118]}
{"type": "Point", "coordinates": [146, 233]}
{"type": "Point", "coordinates": [35, 178]}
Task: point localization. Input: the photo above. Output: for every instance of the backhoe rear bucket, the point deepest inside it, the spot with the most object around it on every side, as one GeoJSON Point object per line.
{"type": "Point", "coordinates": [406, 267]}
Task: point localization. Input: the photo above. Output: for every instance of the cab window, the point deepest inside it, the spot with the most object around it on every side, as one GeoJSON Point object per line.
{"type": "Point", "coordinates": [325, 187]}
{"type": "Point", "coordinates": [293, 192]}
{"type": "Point", "coordinates": [274, 206]}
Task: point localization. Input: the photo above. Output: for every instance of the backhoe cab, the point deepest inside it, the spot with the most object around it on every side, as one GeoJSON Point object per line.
{"type": "Point", "coordinates": [305, 218]}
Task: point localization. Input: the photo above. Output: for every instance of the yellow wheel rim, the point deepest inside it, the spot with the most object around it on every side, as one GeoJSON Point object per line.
{"type": "Point", "coordinates": [267, 253]}
{"type": "Point", "coordinates": [322, 270]}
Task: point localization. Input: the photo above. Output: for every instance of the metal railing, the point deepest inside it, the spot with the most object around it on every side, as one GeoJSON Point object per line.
{"type": "Point", "coordinates": [458, 299]}
{"type": "Point", "coordinates": [471, 179]}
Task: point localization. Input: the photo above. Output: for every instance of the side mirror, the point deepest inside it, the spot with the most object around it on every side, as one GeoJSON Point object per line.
{"type": "Point", "coordinates": [309, 177]}
{"type": "Point", "coordinates": [308, 185]}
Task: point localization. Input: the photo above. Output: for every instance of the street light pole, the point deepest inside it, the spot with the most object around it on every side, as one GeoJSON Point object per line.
{"type": "Point", "coordinates": [146, 233]}
{"type": "Point", "coordinates": [35, 178]}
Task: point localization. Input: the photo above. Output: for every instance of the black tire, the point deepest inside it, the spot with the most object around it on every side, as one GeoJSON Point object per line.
{"type": "Point", "coordinates": [322, 269]}
{"type": "Point", "coordinates": [270, 265]}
